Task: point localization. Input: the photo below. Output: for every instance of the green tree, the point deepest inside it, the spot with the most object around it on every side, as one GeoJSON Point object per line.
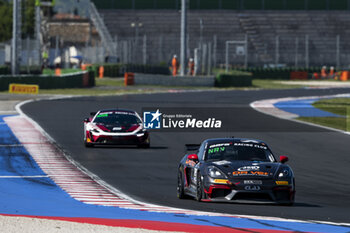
{"type": "Point", "coordinates": [28, 18]}
{"type": "Point", "coordinates": [5, 21]}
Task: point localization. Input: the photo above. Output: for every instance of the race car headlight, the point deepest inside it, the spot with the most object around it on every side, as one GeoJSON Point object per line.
{"type": "Point", "coordinates": [214, 172]}
{"type": "Point", "coordinates": [284, 173]}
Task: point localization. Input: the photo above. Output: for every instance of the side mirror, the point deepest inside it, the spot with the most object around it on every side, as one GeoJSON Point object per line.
{"type": "Point", "coordinates": [86, 120]}
{"type": "Point", "coordinates": [193, 157]}
{"type": "Point", "coordinates": [283, 159]}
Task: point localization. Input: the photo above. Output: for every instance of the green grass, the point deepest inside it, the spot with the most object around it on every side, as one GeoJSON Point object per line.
{"type": "Point", "coordinates": [273, 84]}
{"type": "Point", "coordinates": [332, 122]}
{"type": "Point", "coordinates": [339, 106]}
{"type": "Point", "coordinates": [112, 82]}
{"type": "Point", "coordinates": [63, 71]}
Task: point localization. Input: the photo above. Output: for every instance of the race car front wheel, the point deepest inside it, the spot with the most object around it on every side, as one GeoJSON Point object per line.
{"type": "Point", "coordinates": [200, 194]}
{"type": "Point", "coordinates": [180, 186]}
{"type": "Point", "coordinates": [88, 144]}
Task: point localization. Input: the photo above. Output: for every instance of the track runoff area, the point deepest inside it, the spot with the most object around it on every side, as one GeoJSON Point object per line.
{"type": "Point", "coordinates": [44, 181]}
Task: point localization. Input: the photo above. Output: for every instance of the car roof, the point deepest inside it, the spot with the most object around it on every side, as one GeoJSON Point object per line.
{"type": "Point", "coordinates": [222, 140]}
{"type": "Point", "coordinates": [117, 110]}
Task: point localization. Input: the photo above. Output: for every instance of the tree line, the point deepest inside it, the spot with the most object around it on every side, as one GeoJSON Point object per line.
{"type": "Point", "coordinates": [28, 19]}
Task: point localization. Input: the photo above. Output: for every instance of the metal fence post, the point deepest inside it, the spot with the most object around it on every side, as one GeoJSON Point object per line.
{"type": "Point", "coordinates": [307, 51]}
{"type": "Point", "coordinates": [214, 51]}
{"type": "Point", "coordinates": [296, 51]}
{"type": "Point", "coordinates": [209, 58]}
{"type": "Point", "coordinates": [204, 57]}
{"type": "Point", "coordinates": [38, 32]}
{"type": "Point", "coordinates": [56, 47]}
{"type": "Point", "coordinates": [16, 36]}
{"type": "Point", "coordinates": [160, 49]}
{"type": "Point", "coordinates": [200, 33]}
{"type": "Point", "coordinates": [144, 50]}
{"type": "Point", "coordinates": [116, 47]}
{"type": "Point", "coordinates": [338, 52]}
{"type": "Point", "coordinates": [246, 51]}
{"type": "Point", "coordinates": [277, 52]}
{"type": "Point", "coordinates": [226, 57]}
{"type": "Point", "coordinates": [183, 37]}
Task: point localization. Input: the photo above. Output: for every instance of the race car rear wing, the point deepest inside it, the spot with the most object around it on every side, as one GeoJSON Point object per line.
{"type": "Point", "coordinates": [192, 147]}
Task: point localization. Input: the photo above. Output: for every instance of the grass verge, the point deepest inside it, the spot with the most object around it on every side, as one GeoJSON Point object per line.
{"type": "Point", "coordinates": [115, 86]}
{"type": "Point", "coordinates": [339, 106]}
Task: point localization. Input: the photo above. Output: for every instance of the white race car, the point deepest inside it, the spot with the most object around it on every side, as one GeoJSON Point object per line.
{"type": "Point", "coordinates": [115, 127]}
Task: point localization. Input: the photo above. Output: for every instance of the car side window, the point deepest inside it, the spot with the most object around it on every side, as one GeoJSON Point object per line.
{"type": "Point", "coordinates": [201, 152]}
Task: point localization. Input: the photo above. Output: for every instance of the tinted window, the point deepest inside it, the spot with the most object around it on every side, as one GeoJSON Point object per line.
{"type": "Point", "coordinates": [239, 151]}
{"type": "Point", "coordinates": [117, 118]}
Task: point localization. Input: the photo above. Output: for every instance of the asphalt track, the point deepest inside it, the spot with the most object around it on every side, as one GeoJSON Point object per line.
{"type": "Point", "coordinates": [320, 158]}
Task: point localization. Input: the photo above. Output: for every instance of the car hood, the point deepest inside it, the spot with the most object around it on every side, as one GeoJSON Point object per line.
{"type": "Point", "coordinates": [244, 169]}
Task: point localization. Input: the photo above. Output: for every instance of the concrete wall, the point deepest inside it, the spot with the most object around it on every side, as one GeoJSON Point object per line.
{"type": "Point", "coordinates": [167, 80]}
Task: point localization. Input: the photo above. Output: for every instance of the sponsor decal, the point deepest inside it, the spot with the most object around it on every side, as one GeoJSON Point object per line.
{"type": "Point", "coordinates": [250, 173]}
{"type": "Point", "coordinates": [250, 145]}
{"type": "Point", "coordinates": [282, 182]}
{"type": "Point", "coordinates": [23, 88]}
{"type": "Point", "coordinates": [249, 168]}
{"type": "Point", "coordinates": [103, 115]}
{"type": "Point", "coordinates": [252, 188]}
{"type": "Point", "coordinates": [221, 181]}
{"type": "Point", "coordinates": [217, 149]}
{"type": "Point", "coordinates": [253, 182]}
{"type": "Point", "coordinates": [220, 145]}
{"type": "Point", "coordinates": [249, 141]}
{"type": "Point", "coordinates": [223, 162]}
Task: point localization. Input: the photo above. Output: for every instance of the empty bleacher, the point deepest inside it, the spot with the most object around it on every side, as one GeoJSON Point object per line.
{"type": "Point", "coordinates": [162, 28]}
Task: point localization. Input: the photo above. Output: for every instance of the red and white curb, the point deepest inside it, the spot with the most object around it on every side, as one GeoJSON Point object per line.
{"type": "Point", "coordinates": [267, 107]}
{"type": "Point", "coordinates": [76, 182]}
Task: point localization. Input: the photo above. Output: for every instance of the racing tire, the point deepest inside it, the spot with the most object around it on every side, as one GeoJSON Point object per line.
{"type": "Point", "coordinates": [292, 199]}
{"type": "Point", "coordinates": [200, 194]}
{"type": "Point", "coordinates": [293, 195]}
{"type": "Point", "coordinates": [180, 186]}
{"type": "Point", "coordinates": [88, 144]}
{"type": "Point", "coordinates": [144, 145]}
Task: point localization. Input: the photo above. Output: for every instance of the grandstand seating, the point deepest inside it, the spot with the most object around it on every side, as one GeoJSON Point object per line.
{"type": "Point", "coordinates": [162, 28]}
{"type": "Point", "coordinates": [226, 4]}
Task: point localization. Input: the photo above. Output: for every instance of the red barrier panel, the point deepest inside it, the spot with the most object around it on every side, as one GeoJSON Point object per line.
{"type": "Point", "coordinates": [128, 79]}
{"type": "Point", "coordinates": [298, 75]}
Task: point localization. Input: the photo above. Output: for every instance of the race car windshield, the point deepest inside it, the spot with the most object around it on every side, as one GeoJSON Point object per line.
{"type": "Point", "coordinates": [239, 151]}
{"type": "Point", "coordinates": [118, 119]}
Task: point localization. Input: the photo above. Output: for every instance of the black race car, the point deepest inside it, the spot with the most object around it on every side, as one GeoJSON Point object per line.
{"type": "Point", "coordinates": [235, 170]}
{"type": "Point", "coordinates": [115, 126]}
